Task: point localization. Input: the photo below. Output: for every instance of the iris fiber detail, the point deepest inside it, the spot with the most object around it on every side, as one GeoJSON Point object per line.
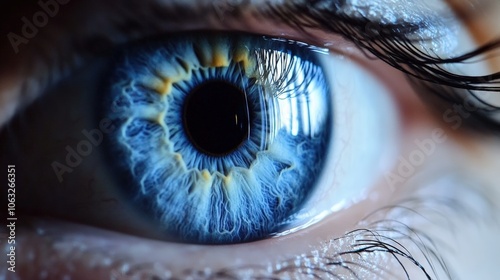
{"type": "Point", "coordinates": [248, 193]}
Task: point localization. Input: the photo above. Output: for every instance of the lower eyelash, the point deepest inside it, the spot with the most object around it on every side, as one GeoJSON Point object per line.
{"type": "Point", "coordinates": [388, 239]}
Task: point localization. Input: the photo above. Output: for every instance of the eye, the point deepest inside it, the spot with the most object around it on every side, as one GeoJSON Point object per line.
{"type": "Point", "coordinates": [222, 136]}
{"type": "Point", "coordinates": [84, 150]}
{"type": "Point", "coordinates": [210, 137]}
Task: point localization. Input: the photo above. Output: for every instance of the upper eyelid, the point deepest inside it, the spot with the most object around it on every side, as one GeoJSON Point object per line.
{"type": "Point", "coordinates": [149, 19]}
{"type": "Point", "coordinates": [57, 59]}
{"type": "Point", "coordinates": [154, 18]}
{"type": "Point", "coordinates": [63, 44]}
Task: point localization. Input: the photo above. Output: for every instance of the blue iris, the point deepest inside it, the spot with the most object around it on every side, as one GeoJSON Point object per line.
{"type": "Point", "coordinates": [248, 191]}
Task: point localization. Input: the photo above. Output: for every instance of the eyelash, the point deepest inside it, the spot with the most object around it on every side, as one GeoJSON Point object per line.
{"type": "Point", "coordinates": [383, 237]}
{"type": "Point", "coordinates": [392, 44]}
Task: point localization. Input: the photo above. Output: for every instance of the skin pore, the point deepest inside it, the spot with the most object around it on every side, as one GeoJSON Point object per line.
{"type": "Point", "coordinates": [461, 167]}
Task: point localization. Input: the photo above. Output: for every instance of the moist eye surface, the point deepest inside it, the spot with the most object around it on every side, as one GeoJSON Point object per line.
{"type": "Point", "coordinates": [220, 138]}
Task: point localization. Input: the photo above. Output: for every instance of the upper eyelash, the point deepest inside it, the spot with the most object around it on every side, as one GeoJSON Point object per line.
{"type": "Point", "coordinates": [393, 44]}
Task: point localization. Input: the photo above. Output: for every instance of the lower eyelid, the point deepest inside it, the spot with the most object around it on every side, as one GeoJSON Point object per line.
{"type": "Point", "coordinates": [61, 248]}
{"type": "Point", "coordinates": [100, 250]}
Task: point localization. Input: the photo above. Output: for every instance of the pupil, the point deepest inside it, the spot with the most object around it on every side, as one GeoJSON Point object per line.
{"type": "Point", "coordinates": [216, 117]}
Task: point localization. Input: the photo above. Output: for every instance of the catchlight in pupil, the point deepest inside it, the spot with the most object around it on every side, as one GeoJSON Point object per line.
{"type": "Point", "coordinates": [220, 137]}
{"type": "Point", "coordinates": [216, 117]}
